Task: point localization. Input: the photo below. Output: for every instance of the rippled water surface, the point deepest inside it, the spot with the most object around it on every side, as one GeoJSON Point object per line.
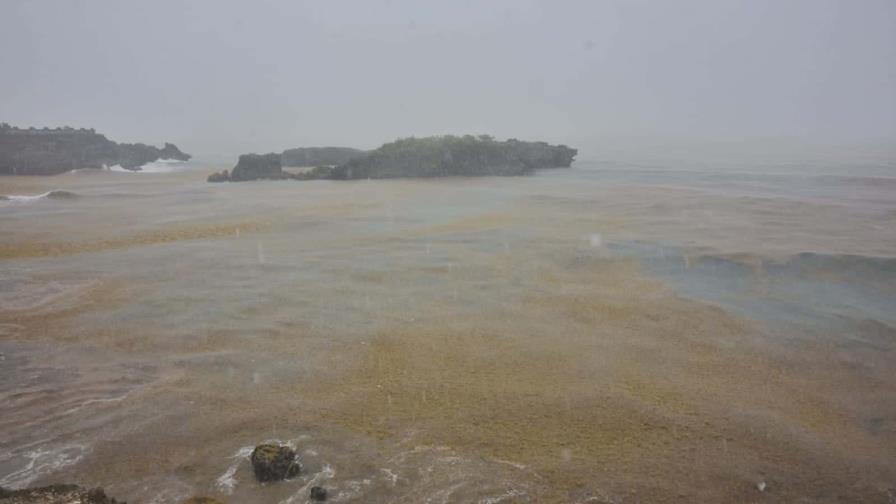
{"type": "Point", "coordinates": [606, 333]}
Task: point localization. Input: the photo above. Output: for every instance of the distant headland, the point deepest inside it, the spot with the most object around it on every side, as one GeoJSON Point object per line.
{"type": "Point", "coordinates": [46, 151]}
{"type": "Point", "coordinates": [437, 156]}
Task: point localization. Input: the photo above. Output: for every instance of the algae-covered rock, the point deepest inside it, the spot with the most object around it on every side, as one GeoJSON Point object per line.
{"type": "Point", "coordinates": [274, 462]}
{"type": "Point", "coordinates": [56, 494]}
{"type": "Point", "coordinates": [318, 493]}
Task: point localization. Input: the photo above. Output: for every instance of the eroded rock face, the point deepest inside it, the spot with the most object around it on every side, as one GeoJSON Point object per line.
{"type": "Point", "coordinates": [56, 494]}
{"type": "Point", "coordinates": [274, 462]}
{"type": "Point", "coordinates": [47, 151]}
{"type": "Point", "coordinates": [258, 166]}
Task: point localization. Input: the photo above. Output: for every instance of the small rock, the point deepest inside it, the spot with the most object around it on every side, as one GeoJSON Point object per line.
{"type": "Point", "coordinates": [318, 493]}
{"type": "Point", "coordinates": [761, 486]}
{"type": "Point", "coordinates": [273, 463]}
{"type": "Point", "coordinates": [202, 500]}
{"type": "Point", "coordinates": [221, 176]}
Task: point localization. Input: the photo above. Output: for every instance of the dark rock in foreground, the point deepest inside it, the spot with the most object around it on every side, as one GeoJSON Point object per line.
{"type": "Point", "coordinates": [56, 494]}
{"type": "Point", "coordinates": [52, 151]}
{"type": "Point", "coordinates": [318, 493]}
{"type": "Point", "coordinates": [274, 463]}
{"type": "Point", "coordinates": [258, 166]}
{"type": "Point", "coordinates": [319, 156]}
{"type": "Point", "coordinates": [448, 156]}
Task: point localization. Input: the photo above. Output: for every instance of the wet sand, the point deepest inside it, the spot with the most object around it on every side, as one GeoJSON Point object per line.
{"type": "Point", "coordinates": [458, 340]}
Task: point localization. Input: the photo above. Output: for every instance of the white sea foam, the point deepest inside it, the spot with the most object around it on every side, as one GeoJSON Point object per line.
{"type": "Point", "coordinates": [41, 462]}
{"type": "Point", "coordinates": [28, 198]}
{"type": "Point", "coordinates": [158, 166]}
{"type": "Point", "coordinates": [162, 166]}
{"type": "Point", "coordinates": [393, 478]}
{"type": "Point", "coordinates": [227, 481]}
{"type": "Point", "coordinates": [510, 494]}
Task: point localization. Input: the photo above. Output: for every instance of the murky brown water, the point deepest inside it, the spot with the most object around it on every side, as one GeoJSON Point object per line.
{"type": "Point", "coordinates": [461, 340]}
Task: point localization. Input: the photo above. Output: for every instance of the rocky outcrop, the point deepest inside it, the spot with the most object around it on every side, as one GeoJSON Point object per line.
{"type": "Point", "coordinates": [274, 462]}
{"type": "Point", "coordinates": [258, 166]}
{"type": "Point", "coordinates": [444, 156]}
{"type": "Point", "coordinates": [319, 156]}
{"type": "Point", "coordinates": [56, 494]}
{"type": "Point", "coordinates": [447, 156]}
{"type": "Point", "coordinates": [52, 151]}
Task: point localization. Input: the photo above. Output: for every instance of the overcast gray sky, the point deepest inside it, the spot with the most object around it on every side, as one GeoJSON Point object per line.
{"type": "Point", "coordinates": [225, 77]}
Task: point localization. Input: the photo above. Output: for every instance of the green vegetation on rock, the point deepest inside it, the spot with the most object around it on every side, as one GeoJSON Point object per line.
{"type": "Point", "coordinates": [444, 156]}
{"type": "Point", "coordinates": [438, 156]}
{"type": "Point", "coordinates": [317, 156]}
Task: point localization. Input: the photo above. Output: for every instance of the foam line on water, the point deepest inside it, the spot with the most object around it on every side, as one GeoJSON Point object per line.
{"type": "Point", "coordinates": [42, 462]}
{"type": "Point", "coordinates": [158, 166]}
{"type": "Point", "coordinates": [227, 481]}
{"type": "Point", "coordinates": [28, 198]}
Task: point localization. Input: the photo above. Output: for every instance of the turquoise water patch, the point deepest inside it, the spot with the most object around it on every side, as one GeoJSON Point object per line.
{"type": "Point", "coordinates": [803, 288]}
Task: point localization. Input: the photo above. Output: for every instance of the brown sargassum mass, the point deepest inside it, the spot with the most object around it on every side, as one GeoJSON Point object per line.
{"type": "Point", "coordinates": [35, 249]}
{"type": "Point", "coordinates": [615, 384]}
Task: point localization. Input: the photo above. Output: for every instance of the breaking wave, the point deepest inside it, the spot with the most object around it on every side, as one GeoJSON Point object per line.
{"type": "Point", "coordinates": [57, 194]}
{"type": "Point", "coordinates": [158, 166]}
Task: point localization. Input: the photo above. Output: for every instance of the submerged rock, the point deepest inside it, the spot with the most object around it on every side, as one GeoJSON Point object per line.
{"type": "Point", "coordinates": [273, 462]}
{"type": "Point", "coordinates": [318, 493]}
{"type": "Point", "coordinates": [56, 494]}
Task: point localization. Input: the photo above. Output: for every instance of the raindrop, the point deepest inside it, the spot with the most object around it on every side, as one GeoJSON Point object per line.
{"type": "Point", "coordinates": [261, 258]}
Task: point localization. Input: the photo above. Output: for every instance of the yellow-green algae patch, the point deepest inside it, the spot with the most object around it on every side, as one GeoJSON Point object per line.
{"type": "Point", "coordinates": [613, 383]}
{"type": "Point", "coordinates": [30, 249]}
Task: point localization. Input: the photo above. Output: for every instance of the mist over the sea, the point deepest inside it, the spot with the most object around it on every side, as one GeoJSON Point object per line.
{"type": "Point", "coordinates": [222, 78]}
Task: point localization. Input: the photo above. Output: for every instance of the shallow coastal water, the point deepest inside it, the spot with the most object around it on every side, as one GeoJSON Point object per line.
{"type": "Point", "coordinates": [601, 334]}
